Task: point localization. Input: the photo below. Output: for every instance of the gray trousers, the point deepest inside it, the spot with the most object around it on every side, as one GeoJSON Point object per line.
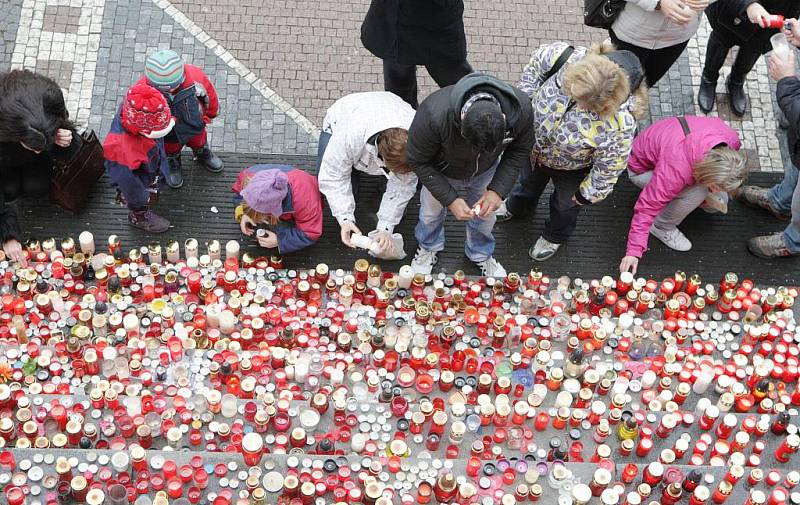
{"type": "Point", "coordinates": [680, 207]}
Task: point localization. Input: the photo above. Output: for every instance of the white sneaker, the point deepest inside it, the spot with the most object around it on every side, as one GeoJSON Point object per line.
{"type": "Point", "coordinates": [423, 261]}
{"type": "Point", "coordinates": [502, 214]}
{"type": "Point", "coordinates": [674, 238]}
{"type": "Point", "coordinates": [490, 267]}
{"type": "Point", "coordinates": [543, 249]}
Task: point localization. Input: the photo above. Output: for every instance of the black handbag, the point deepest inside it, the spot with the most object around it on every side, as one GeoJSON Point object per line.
{"type": "Point", "coordinates": [601, 13]}
{"type": "Point", "coordinates": [74, 178]}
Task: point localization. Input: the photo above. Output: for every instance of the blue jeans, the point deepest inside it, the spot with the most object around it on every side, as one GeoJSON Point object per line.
{"type": "Point", "coordinates": [430, 228]}
{"type": "Point", "coordinates": [785, 197]}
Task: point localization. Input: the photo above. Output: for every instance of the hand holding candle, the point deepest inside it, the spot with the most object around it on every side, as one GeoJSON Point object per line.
{"type": "Point", "coordinates": [758, 15]}
{"type": "Point", "coordinates": [489, 202]}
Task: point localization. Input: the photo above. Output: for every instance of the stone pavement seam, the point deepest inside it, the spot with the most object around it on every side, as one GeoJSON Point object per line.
{"type": "Point", "coordinates": [238, 67]}
{"type": "Point", "coordinates": [76, 53]}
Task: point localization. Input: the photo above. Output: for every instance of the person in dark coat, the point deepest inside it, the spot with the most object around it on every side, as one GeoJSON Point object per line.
{"type": "Point", "coordinates": [467, 144]}
{"type": "Point", "coordinates": [35, 132]}
{"type": "Point", "coordinates": [407, 33]}
{"type": "Point", "coordinates": [783, 199]}
{"type": "Point", "coordinates": [743, 23]}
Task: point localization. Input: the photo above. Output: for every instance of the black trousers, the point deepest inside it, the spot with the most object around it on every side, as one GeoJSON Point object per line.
{"type": "Point", "coordinates": [31, 179]}
{"type": "Point", "coordinates": [656, 62]}
{"type": "Point", "coordinates": [719, 43]}
{"type": "Point", "coordinates": [563, 211]}
{"type": "Point", "coordinates": [401, 79]}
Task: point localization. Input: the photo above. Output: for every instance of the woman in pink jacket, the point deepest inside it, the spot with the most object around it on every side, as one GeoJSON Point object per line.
{"type": "Point", "coordinates": [679, 162]}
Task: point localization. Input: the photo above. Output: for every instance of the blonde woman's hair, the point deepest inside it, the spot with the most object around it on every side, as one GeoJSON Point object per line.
{"type": "Point", "coordinates": [597, 84]}
{"type": "Point", "coordinates": [722, 166]}
{"type": "Point", "coordinates": [601, 86]}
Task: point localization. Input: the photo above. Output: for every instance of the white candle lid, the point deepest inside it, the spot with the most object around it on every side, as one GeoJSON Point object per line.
{"type": "Point", "coordinates": [252, 442]}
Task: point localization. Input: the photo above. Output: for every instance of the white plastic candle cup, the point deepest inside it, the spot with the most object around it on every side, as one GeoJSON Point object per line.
{"type": "Point", "coordinates": [406, 275]}
{"type": "Point", "coordinates": [781, 46]}
{"type": "Point", "coordinates": [361, 241]}
{"type": "Point", "coordinates": [232, 249]}
{"type": "Point", "coordinates": [229, 406]}
{"type": "Point", "coordinates": [86, 240]}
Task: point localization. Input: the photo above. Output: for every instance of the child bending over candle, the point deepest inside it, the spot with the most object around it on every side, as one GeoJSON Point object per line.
{"type": "Point", "coordinates": [281, 202]}
{"type": "Point", "coordinates": [681, 163]}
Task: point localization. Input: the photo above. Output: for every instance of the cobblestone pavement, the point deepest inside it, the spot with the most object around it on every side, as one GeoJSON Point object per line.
{"type": "Point", "coordinates": [95, 49]}
{"type": "Point", "coordinates": [279, 64]}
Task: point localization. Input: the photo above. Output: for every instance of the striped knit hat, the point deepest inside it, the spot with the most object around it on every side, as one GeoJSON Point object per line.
{"type": "Point", "coordinates": [164, 70]}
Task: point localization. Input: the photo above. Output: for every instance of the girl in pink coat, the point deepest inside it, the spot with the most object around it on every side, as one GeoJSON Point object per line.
{"type": "Point", "coordinates": [679, 162]}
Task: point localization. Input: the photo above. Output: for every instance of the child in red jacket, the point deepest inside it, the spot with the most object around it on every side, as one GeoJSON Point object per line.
{"type": "Point", "coordinates": [194, 103]}
{"type": "Point", "coordinates": [134, 154]}
{"type": "Point", "coordinates": [285, 199]}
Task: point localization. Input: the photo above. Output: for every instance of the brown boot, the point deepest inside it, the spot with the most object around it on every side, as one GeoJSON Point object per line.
{"type": "Point", "coordinates": [147, 220]}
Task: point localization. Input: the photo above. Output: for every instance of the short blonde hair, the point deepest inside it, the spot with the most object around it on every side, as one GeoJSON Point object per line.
{"type": "Point", "coordinates": [723, 167]}
{"type": "Point", "coordinates": [391, 145]}
{"type": "Point", "coordinates": [597, 84]}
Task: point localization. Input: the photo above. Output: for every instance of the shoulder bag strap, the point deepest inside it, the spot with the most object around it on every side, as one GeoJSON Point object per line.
{"type": "Point", "coordinates": [562, 58]}
{"type": "Point", "coordinates": [684, 125]}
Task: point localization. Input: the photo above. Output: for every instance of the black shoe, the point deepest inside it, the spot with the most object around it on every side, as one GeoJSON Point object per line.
{"type": "Point", "coordinates": [737, 98]}
{"type": "Point", "coordinates": [208, 159]}
{"type": "Point", "coordinates": [174, 172]}
{"type": "Point", "coordinates": [706, 95]}
{"type": "Point", "coordinates": [148, 221]}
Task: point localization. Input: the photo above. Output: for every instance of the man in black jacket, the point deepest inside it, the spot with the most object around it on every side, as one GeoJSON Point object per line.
{"type": "Point", "coordinates": [783, 199]}
{"type": "Point", "coordinates": [407, 33]}
{"type": "Point", "coordinates": [469, 139]}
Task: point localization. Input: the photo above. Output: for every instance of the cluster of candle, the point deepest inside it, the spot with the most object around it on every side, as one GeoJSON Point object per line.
{"type": "Point", "coordinates": [216, 377]}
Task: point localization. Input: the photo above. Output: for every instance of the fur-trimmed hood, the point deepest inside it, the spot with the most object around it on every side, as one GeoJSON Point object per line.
{"type": "Point", "coordinates": [639, 97]}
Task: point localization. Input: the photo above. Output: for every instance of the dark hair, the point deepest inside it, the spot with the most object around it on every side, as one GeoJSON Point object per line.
{"type": "Point", "coordinates": [31, 109]}
{"type": "Point", "coordinates": [484, 125]}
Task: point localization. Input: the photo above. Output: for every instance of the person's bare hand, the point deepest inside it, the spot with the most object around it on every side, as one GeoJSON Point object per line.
{"type": "Point", "coordinates": [348, 229]}
{"type": "Point", "coordinates": [676, 11]}
{"type": "Point", "coordinates": [247, 225]}
{"type": "Point", "coordinates": [460, 210]}
{"type": "Point", "coordinates": [489, 202]}
{"type": "Point", "coordinates": [269, 240]}
{"type": "Point", "coordinates": [780, 68]}
{"type": "Point", "coordinates": [629, 264]}
{"type": "Point", "coordinates": [791, 28]}
{"type": "Point", "coordinates": [696, 5]}
{"type": "Point", "coordinates": [63, 137]}
{"type": "Point", "coordinates": [383, 239]}
{"type": "Point", "coordinates": [758, 15]}
{"type": "Point", "coordinates": [14, 253]}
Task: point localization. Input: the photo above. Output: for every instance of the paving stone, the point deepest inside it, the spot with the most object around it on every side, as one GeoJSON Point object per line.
{"type": "Point", "coordinates": [310, 55]}
{"type": "Point", "coordinates": [61, 18]}
{"type": "Point", "coordinates": [126, 31]}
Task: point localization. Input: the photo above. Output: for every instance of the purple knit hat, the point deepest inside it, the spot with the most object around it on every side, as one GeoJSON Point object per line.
{"type": "Point", "coordinates": [266, 190]}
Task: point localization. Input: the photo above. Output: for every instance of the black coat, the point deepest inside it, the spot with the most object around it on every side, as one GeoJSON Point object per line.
{"type": "Point", "coordinates": [436, 150]}
{"type": "Point", "coordinates": [730, 18]}
{"type": "Point", "coordinates": [788, 95]}
{"type": "Point", "coordinates": [21, 169]}
{"type": "Point", "coordinates": [415, 32]}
